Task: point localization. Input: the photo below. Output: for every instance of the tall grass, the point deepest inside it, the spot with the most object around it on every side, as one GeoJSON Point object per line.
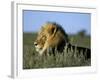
{"type": "Point", "coordinates": [68, 58]}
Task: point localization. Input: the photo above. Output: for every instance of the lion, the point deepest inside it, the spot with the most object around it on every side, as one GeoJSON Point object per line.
{"type": "Point", "coordinates": [51, 36]}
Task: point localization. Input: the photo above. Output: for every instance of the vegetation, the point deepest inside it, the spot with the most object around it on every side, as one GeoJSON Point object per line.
{"type": "Point", "coordinates": [31, 59]}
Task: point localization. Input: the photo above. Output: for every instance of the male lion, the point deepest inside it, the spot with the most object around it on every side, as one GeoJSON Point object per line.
{"type": "Point", "coordinates": [51, 36]}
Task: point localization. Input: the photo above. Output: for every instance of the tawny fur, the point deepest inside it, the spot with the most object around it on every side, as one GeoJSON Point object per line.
{"type": "Point", "coordinates": [52, 36]}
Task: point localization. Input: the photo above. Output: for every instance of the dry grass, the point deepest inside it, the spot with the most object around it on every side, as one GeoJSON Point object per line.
{"type": "Point", "coordinates": [31, 59]}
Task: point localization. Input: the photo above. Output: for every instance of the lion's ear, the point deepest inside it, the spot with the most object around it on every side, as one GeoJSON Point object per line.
{"type": "Point", "coordinates": [53, 30]}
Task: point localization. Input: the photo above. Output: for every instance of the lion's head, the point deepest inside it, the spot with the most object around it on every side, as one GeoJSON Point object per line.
{"type": "Point", "coordinates": [52, 36]}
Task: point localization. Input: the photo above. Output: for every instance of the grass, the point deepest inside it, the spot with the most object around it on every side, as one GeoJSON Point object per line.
{"type": "Point", "coordinates": [31, 59]}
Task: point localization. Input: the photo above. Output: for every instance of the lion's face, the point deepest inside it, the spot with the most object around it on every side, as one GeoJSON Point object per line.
{"type": "Point", "coordinates": [40, 41]}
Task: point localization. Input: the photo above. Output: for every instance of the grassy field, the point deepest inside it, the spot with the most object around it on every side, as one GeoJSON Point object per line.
{"type": "Point", "coordinates": [31, 59]}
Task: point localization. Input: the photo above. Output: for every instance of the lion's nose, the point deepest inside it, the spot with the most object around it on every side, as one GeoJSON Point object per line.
{"type": "Point", "coordinates": [35, 43]}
